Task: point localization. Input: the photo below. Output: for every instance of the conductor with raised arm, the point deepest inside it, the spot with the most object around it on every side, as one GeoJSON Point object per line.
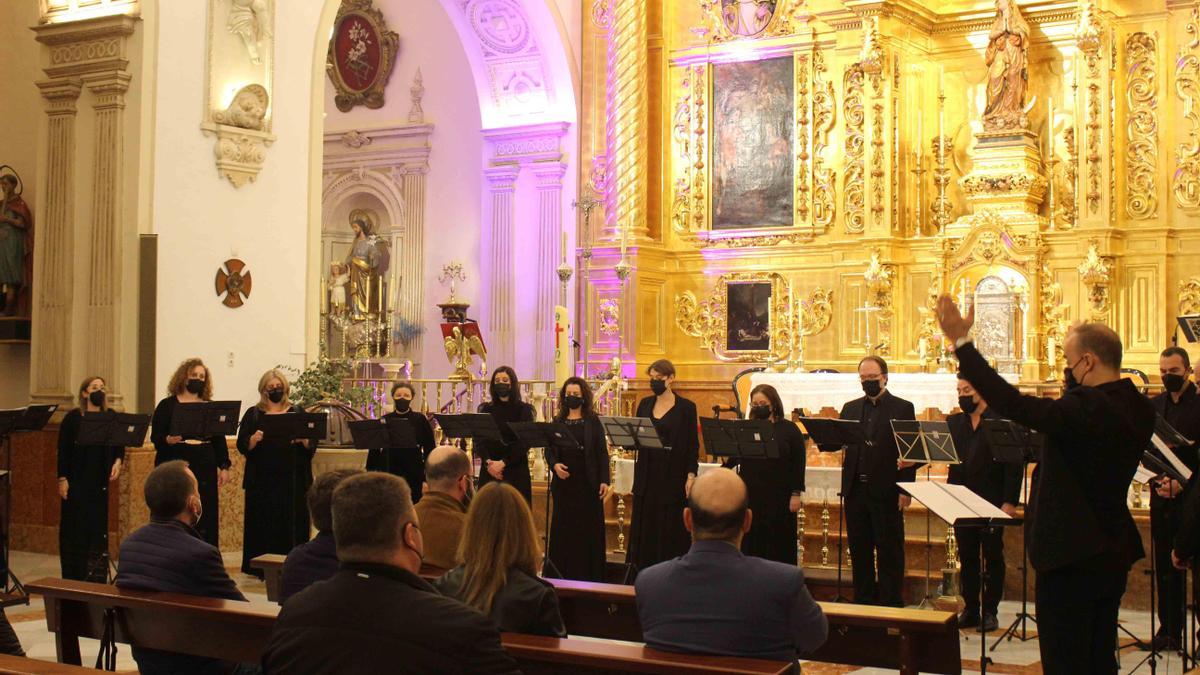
{"type": "Point", "coordinates": [873, 502]}
{"type": "Point", "coordinates": [1082, 539]}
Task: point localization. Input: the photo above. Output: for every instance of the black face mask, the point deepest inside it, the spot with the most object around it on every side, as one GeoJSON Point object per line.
{"type": "Point", "coordinates": [872, 387]}
{"type": "Point", "coordinates": [760, 412]}
{"type": "Point", "coordinates": [501, 390]}
{"type": "Point", "coordinates": [967, 404]}
{"type": "Point", "coordinates": [275, 395]}
{"type": "Point", "coordinates": [96, 398]}
{"type": "Point", "coordinates": [573, 402]}
{"type": "Point", "coordinates": [1174, 383]}
{"type": "Point", "coordinates": [402, 405]}
{"type": "Point", "coordinates": [1069, 381]}
{"type": "Point", "coordinates": [659, 387]}
{"type": "Point", "coordinates": [195, 386]}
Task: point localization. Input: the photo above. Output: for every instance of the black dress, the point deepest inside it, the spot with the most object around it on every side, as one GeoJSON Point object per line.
{"type": "Point", "coordinates": [203, 459]}
{"type": "Point", "coordinates": [656, 531]}
{"type": "Point", "coordinates": [577, 546]}
{"type": "Point", "coordinates": [278, 474]}
{"type": "Point", "coordinates": [513, 453]}
{"type": "Point", "coordinates": [771, 484]}
{"type": "Point", "coordinates": [408, 463]}
{"type": "Point", "coordinates": [83, 525]}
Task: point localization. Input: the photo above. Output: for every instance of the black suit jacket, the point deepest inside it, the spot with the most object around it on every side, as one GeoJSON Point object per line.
{"type": "Point", "coordinates": [1095, 436]}
{"type": "Point", "coordinates": [997, 482]}
{"type": "Point", "coordinates": [878, 460]}
{"type": "Point", "coordinates": [381, 619]}
{"type": "Point", "coordinates": [1185, 417]}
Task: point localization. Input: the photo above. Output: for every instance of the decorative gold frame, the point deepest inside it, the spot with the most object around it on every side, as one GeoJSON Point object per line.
{"type": "Point", "coordinates": [708, 319]}
{"type": "Point", "coordinates": [389, 44]}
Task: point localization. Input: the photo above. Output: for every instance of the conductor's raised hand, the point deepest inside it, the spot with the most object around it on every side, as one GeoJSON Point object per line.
{"type": "Point", "coordinates": [954, 324]}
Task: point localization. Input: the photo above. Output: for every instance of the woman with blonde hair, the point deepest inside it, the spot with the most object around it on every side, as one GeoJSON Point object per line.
{"type": "Point", "coordinates": [208, 458]}
{"type": "Point", "coordinates": [498, 577]}
{"type": "Point", "coordinates": [278, 474]}
{"type": "Point", "coordinates": [84, 472]}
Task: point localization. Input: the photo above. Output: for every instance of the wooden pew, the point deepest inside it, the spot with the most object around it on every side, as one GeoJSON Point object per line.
{"type": "Point", "coordinates": [271, 565]}
{"type": "Point", "coordinates": [21, 665]}
{"type": "Point", "coordinates": [238, 631]}
{"type": "Point", "coordinates": [908, 640]}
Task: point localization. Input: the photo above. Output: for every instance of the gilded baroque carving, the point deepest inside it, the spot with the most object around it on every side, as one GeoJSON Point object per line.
{"type": "Point", "coordinates": [991, 241]}
{"type": "Point", "coordinates": [1141, 154]}
{"type": "Point", "coordinates": [1068, 208]}
{"type": "Point", "coordinates": [748, 19]}
{"type": "Point", "coordinates": [625, 116]}
{"type": "Point", "coordinates": [854, 173]}
{"type": "Point", "coordinates": [824, 113]}
{"type": "Point", "coordinates": [802, 137]}
{"type": "Point", "coordinates": [681, 135]}
{"type": "Point", "coordinates": [1088, 33]}
{"type": "Point", "coordinates": [1186, 179]}
{"type": "Point", "coordinates": [1189, 296]}
{"type": "Point", "coordinates": [610, 317]}
{"type": "Point", "coordinates": [1096, 274]}
{"type": "Point", "coordinates": [602, 13]}
{"type": "Point", "coordinates": [700, 142]}
{"type": "Point", "coordinates": [708, 319]}
{"type": "Point", "coordinates": [982, 184]}
{"type": "Point", "coordinates": [1055, 321]}
{"type": "Point", "coordinates": [706, 240]}
{"type": "Point", "coordinates": [880, 277]}
{"type": "Point", "coordinates": [1093, 147]}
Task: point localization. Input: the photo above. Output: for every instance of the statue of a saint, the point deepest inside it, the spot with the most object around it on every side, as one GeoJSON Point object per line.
{"type": "Point", "coordinates": [1008, 72]}
{"type": "Point", "coordinates": [368, 263]}
{"type": "Point", "coordinates": [249, 20]}
{"type": "Point", "coordinates": [16, 245]}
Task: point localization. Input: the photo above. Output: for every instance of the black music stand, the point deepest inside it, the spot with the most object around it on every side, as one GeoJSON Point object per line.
{"type": "Point", "coordinates": [470, 426]}
{"type": "Point", "coordinates": [29, 418]}
{"type": "Point", "coordinates": [1013, 443]}
{"type": "Point", "coordinates": [636, 434]}
{"type": "Point", "coordinates": [833, 435]}
{"type": "Point", "coordinates": [545, 435]}
{"type": "Point", "coordinates": [958, 506]}
{"type": "Point", "coordinates": [110, 428]}
{"type": "Point", "coordinates": [205, 418]}
{"type": "Point", "coordinates": [1190, 325]}
{"type": "Point", "coordinates": [927, 443]}
{"type": "Point", "coordinates": [739, 439]}
{"type": "Point", "coordinates": [290, 427]}
{"type": "Point", "coordinates": [384, 433]}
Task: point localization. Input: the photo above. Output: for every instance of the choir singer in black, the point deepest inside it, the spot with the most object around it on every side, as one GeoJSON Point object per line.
{"type": "Point", "coordinates": [1180, 407]}
{"type": "Point", "coordinates": [997, 482]}
{"type": "Point", "coordinates": [775, 485]}
{"type": "Point", "coordinates": [873, 503]}
{"type": "Point", "coordinates": [507, 460]}
{"type": "Point", "coordinates": [84, 472]}
{"type": "Point", "coordinates": [278, 475]}
{"type": "Point", "coordinates": [1082, 540]}
{"type": "Point", "coordinates": [208, 458]}
{"type": "Point", "coordinates": [663, 478]}
{"type": "Point", "coordinates": [407, 463]}
{"type": "Point", "coordinates": [579, 485]}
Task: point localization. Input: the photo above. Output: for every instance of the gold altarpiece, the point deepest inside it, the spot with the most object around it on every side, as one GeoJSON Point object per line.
{"type": "Point", "coordinates": [1089, 214]}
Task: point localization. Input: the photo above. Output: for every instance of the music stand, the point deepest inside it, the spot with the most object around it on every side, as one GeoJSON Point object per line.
{"type": "Point", "coordinates": [636, 434]}
{"type": "Point", "coordinates": [110, 428]}
{"type": "Point", "coordinates": [35, 417]}
{"type": "Point", "coordinates": [384, 433]}
{"type": "Point", "coordinates": [1190, 325]}
{"type": "Point", "coordinates": [205, 419]}
{"type": "Point", "coordinates": [1013, 443]}
{"type": "Point", "coordinates": [546, 435]}
{"type": "Point", "coordinates": [470, 426]}
{"type": "Point", "coordinates": [958, 506]}
{"type": "Point", "coordinates": [926, 443]}
{"type": "Point", "coordinates": [739, 439]}
{"type": "Point", "coordinates": [290, 427]}
{"type": "Point", "coordinates": [833, 435]}
{"type": "Point", "coordinates": [29, 418]}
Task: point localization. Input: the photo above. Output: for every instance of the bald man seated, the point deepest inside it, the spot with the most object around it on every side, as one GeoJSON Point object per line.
{"type": "Point", "coordinates": [714, 600]}
{"type": "Point", "coordinates": [443, 508]}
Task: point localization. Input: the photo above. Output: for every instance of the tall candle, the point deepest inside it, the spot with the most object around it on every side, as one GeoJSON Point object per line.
{"type": "Point", "coordinates": [1050, 130]}
{"type": "Point", "coordinates": [564, 247]}
{"type": "Point", "coordinates": [920, 140]}
{"type": "Point", "coordinates": [941, 133]}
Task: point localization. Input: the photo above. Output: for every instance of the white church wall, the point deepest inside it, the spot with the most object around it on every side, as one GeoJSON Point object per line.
{"type": "Point", "coordinates": [202, 220]}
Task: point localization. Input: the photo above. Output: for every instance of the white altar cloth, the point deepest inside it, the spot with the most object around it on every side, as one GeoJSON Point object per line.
{"type": "Point", "coordinates": [813, 391]}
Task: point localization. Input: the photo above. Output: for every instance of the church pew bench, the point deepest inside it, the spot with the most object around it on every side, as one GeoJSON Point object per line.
{"type": "Point", "coordinates": [238, 631]}
{"type": "Point", "coordinates": [271, 565]}
{"type": "Point", "coordinates": [908, 640]}
{"type": "Point", "coordinates": [23, 665]}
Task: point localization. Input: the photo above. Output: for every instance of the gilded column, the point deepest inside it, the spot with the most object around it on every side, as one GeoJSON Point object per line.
{"type": "Point", "coordinates": [411, 282]}
{"type": "Point", "coordinates": [626, 119]}
{"type": "Point", "coordinates": [104, 254]}
{"type": "Point", "coordinates": [502, 280]}
{"type": "Point", "coordinates": [53, 269]}
{"type": "Point", "coordinates": [549, 190]}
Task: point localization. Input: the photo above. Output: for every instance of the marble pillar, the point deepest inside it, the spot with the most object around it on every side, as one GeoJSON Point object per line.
{"type": "Point", "coordinates": [502, 185]}
{"type": "Point", "coordinates": [549, 177]}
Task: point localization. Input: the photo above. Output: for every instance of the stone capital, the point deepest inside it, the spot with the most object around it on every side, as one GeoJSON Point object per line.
{"type": "Point", "coordinates": [503, 177]}
{"type": "Point", "coordinates": [549, 175]}
{"type": "Point", "coordinates": [526, 144]}
{"type": "Point", "coordinates": [109, 88]}
{"type": "Point", "coordinates": [61, 95]}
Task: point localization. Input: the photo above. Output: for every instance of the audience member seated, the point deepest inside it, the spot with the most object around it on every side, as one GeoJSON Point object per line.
{"type": "Point", "coordinates": [168, 555]}
{"type": "Point", "coordinates": [443, 509]}
{"type": "Point", "coordinates": [714, 599]}
{"type": "Point", "coordinates": [315, 560]}
{"type": "Point", "coordinates": [498, 576]}
{"type": "Point", "coordinates": [376, 615]}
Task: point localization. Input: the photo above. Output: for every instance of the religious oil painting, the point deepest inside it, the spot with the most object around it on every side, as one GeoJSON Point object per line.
{"type": "Point", "coordinates": [752, 144]}
{"type": "Point", "coordinates": [748, 320]}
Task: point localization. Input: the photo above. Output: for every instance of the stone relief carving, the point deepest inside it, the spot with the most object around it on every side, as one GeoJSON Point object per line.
{"type": "Point", "coordinates": [250, 21]}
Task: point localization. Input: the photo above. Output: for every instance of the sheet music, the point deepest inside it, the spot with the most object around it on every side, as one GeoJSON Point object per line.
{"type": "Point", "coordinates": [1171, 457]}
{"type": "Point", "coordinates": [952, 503]}
{"type": "Point", "coordinates": [1143, 475]}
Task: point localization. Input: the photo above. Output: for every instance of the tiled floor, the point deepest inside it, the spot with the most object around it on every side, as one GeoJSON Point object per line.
{"type": "Point", "coordinates": [1009, 657]}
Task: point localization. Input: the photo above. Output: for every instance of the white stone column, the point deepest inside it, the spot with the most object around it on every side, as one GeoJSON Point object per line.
{"type": "Point", "coordinates": [502, 185]}
{"type": "Point", "coordinates": [549, 177]}
{"type": "Point", "coordinates": [53, 272]}
{"type": "Point", "coordinates": [411, 274]}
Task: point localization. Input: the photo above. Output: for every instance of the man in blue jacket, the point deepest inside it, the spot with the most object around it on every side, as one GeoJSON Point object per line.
{"type": "Point", "coordinates": [169, 556]}
{"type": "Point", "coordinates": [714, 600]}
